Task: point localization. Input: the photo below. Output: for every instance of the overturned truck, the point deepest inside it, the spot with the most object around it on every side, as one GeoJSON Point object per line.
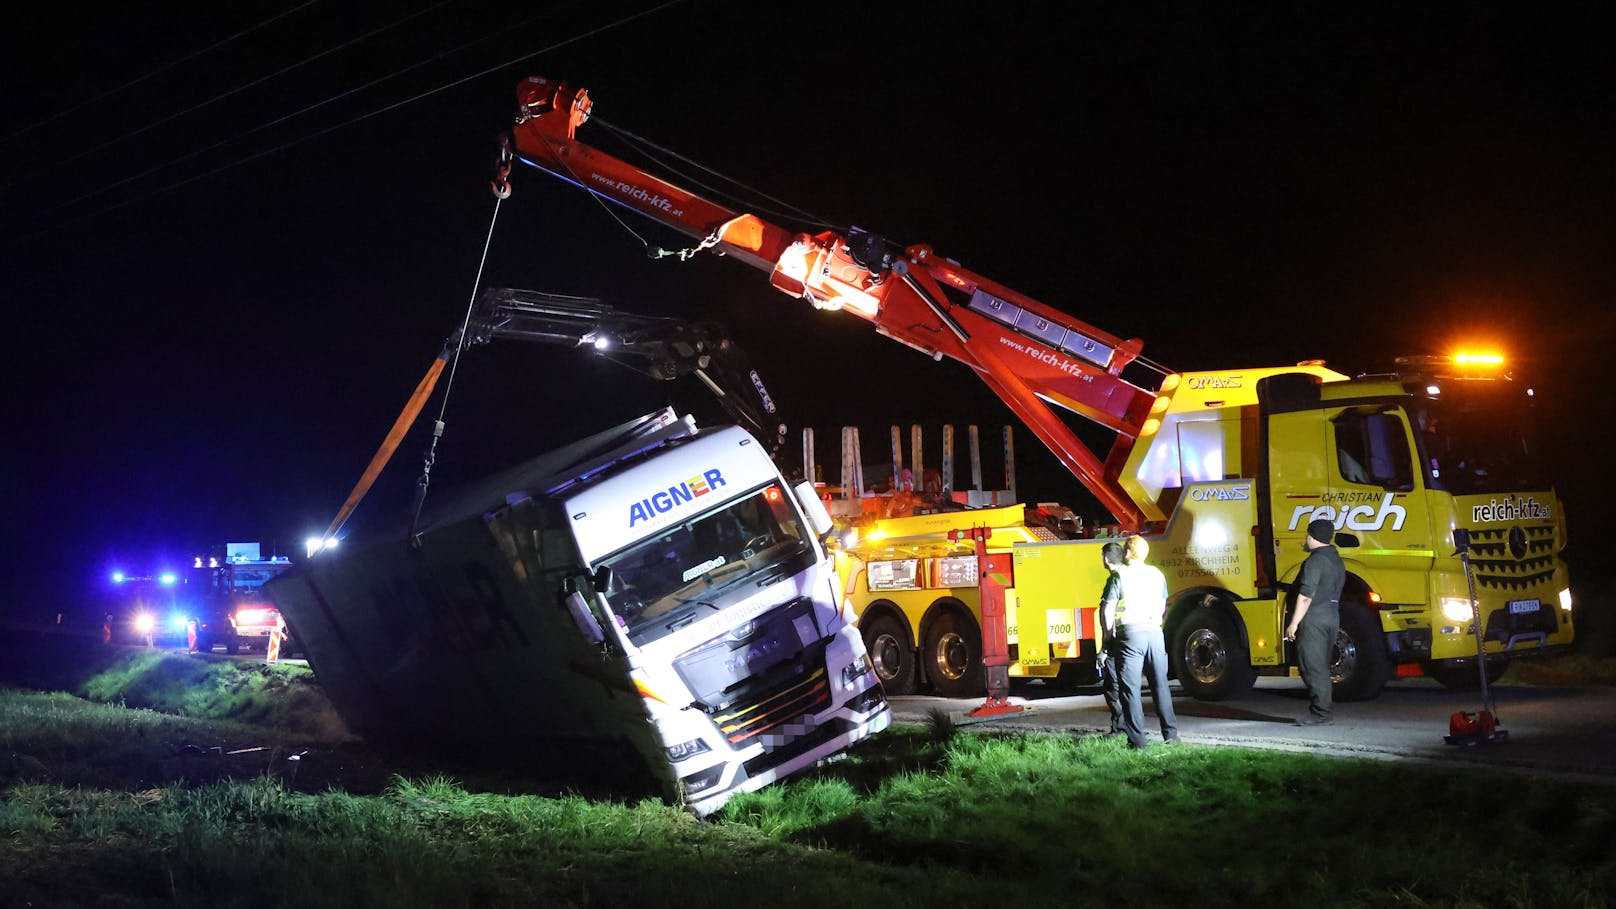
{"type": "Point", "coordinates": [651, 607]}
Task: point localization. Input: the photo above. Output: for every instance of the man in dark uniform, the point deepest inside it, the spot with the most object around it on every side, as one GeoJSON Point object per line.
{"type": "Point", "coordinates": [1111, 556]}
{"type": "Point", "coordinates": [1317, 617]}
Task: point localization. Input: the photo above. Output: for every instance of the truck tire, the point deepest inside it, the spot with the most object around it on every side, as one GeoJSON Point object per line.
{"type": "Point", "coordinates": [953, 656]}
{"type": "Point", "coordinates": [1359, 666]}
{"type": "Point", "coordinates": [891, 655]}
{"type": "Point", "coordinates": [1466, 678]}
{"type": "Point", "coordinates": [1208, 657]}
{"type": "Point", "coordinates": [232, 644]}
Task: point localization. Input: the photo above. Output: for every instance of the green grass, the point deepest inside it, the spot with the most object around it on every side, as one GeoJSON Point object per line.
{"type": "Point", "coordinates": [97, 809]}
{"type": "Point", "coordinates": [1239, 825]}
{"type": "Point", "coordinates": [913, 817]}
{"type": "Point", "coordinates": [281, 696]}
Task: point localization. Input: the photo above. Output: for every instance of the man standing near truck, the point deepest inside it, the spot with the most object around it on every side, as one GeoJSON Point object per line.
{"type": "Point", "coordinates": [1317, 617]}
{"type": "Point", "coordinates": [1141, 644]}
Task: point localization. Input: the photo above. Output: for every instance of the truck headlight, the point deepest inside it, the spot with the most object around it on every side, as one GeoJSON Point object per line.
{"type": "Point", "coordinates": [1457, 609]}
{"type": "Point", "coordinates": [855, 670]}
{"type": "Point", "coordinates": [145, 622]}
{"type": "Point", "coordinates": [1565, 598]}
{"type": "Point", "coordinates": [679, 752]}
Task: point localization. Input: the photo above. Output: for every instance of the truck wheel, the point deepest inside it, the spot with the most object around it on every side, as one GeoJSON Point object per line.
{"type": "Point", "coordinates": [1466, 678]}
{"type": "Point", "coordinates": [1211, 662]}
{"type": "Point", "coordinates": [953, 656]}
{"type": "Point", "coordinates": [1359, 666]}
{"type": "Point", "coordinates": [891, 655]}
{"type": "Point", "coordinates": [232, 645]}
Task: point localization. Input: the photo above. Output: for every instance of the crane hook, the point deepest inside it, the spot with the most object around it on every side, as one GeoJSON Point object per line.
{"type": "Point", "coordinates": [501, 184]}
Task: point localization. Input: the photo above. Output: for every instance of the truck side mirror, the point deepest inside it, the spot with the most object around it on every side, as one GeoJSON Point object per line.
{"type": "Point", "coordinates": [1346, 540]}
{"type": "Point", "coordinates": [584, 618]}
{"type": "Point", "coordinates": [818, 515]}
{"type": "Point", "coordinates": [602, 578]}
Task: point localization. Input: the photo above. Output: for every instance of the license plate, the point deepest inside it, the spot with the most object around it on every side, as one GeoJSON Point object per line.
{"type": "Point", "coordinates": [1524, 607]}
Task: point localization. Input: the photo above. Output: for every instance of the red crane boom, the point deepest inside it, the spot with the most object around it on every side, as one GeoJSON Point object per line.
{"type": "Point", "coordinates": [1027, 352]}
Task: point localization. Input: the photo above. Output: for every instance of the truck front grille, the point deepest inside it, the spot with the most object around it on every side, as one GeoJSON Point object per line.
{"type": "Point", "coordinates": [803, 696]}
{"type": "Point", "coordinates": [1497, 567]}
{"type": "Point", "coordinates": [790, 748]}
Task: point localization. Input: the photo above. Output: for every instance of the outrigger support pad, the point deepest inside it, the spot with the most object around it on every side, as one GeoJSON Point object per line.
{"type": "Point", "coordinates": [998, 706]}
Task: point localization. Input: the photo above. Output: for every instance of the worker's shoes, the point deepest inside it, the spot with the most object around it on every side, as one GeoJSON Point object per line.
{"type": "Point", "coordinates": [1314, 719]}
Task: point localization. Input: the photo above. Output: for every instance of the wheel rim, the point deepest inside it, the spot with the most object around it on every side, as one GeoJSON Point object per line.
{"type": "Point", "coordinates": [1345, 657]}
{"type": "Point", "coordinates": [886, 653]}
{"type": "Point", "coordinates": [1206, 657]}
{"type": "Point", "coordinates": [951, 656]}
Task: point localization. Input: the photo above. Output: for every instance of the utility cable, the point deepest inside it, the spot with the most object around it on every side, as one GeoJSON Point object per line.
{"type": "Point", "coordinates": [220, 97]}
{"type": "Point", "coordinates": [367, 116]}
{"type": "Point", "coordinates": [100, 97]}
{"type": "Point", "coordinates": [291, 116]}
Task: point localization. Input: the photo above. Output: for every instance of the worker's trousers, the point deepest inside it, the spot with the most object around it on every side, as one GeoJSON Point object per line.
{"type": "Point", "coordinates": [1142, 649]}
{"type": "Point", "coordinates": [1313, 643]}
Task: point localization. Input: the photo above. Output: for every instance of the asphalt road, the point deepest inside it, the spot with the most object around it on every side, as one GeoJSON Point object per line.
{"type": "Point", "coordinates": [1563, 731]}
{"type": "Point", "coordinates": [1550, 731]}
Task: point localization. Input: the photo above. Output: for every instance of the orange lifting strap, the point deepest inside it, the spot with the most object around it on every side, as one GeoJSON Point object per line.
{"type": "Point", "coordinates": [401, 426]}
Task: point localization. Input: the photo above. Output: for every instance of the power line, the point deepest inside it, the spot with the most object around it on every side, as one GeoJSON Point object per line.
{"type": "Point", "coordinates": [287, 117]}
{"type": "Point", "coordinates": [100, 97]}
{"type": "Point", "coordinates": [220, 97]}
{"type": "Point", "coordinates": [363, 117]}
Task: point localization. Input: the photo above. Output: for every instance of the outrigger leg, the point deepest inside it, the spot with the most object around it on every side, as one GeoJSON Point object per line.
{"type": "Point", "coordinates": [991, 581]}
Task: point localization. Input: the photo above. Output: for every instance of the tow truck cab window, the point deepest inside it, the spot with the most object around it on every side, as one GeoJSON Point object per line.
{"type": "Point", "coordinates": [1372, 449]}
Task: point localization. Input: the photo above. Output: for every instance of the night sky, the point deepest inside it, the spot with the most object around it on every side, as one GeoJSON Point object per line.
{"type": "Point", "coordinates": [232, 243]}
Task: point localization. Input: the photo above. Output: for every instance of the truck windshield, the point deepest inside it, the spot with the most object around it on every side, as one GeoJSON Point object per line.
{"type": "Point", "coordinates": [1480, 438]}
{"type": "Point", "coordinates": [695, 568]}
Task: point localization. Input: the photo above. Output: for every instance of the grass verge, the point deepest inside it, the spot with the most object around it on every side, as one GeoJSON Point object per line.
{"type": "Point", "coordinates": [201, 803]}
{"type": "Point", "coordinates": [910, 818]}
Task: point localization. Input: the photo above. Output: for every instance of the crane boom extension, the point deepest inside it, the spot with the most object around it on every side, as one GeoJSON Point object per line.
{"type": "Point", "coordinates": [1026, 352]}
{"type": "Point", "coordinates": [662, 348]}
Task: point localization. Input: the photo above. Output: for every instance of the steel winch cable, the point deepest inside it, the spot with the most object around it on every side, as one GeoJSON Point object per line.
{"type": "Point", "coordinates": [450, 355]}
{"type": "Point", "coordinates": [448, 388]}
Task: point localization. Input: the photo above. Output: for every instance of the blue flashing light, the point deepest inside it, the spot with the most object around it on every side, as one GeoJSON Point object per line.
{"type": "Point", "coordinates": [168, 578]}
{"type": "Point", "coordinates": [117, 577]}
{"type": "Point", "coordinates": [178, 620]}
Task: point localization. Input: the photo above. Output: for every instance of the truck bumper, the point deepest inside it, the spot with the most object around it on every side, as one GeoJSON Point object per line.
{"type": "Point", "coordinates": [861, 716]}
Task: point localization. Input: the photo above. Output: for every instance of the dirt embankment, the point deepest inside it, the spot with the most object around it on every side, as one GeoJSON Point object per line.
{"type": "Point", "coordinates": [241, 719]}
